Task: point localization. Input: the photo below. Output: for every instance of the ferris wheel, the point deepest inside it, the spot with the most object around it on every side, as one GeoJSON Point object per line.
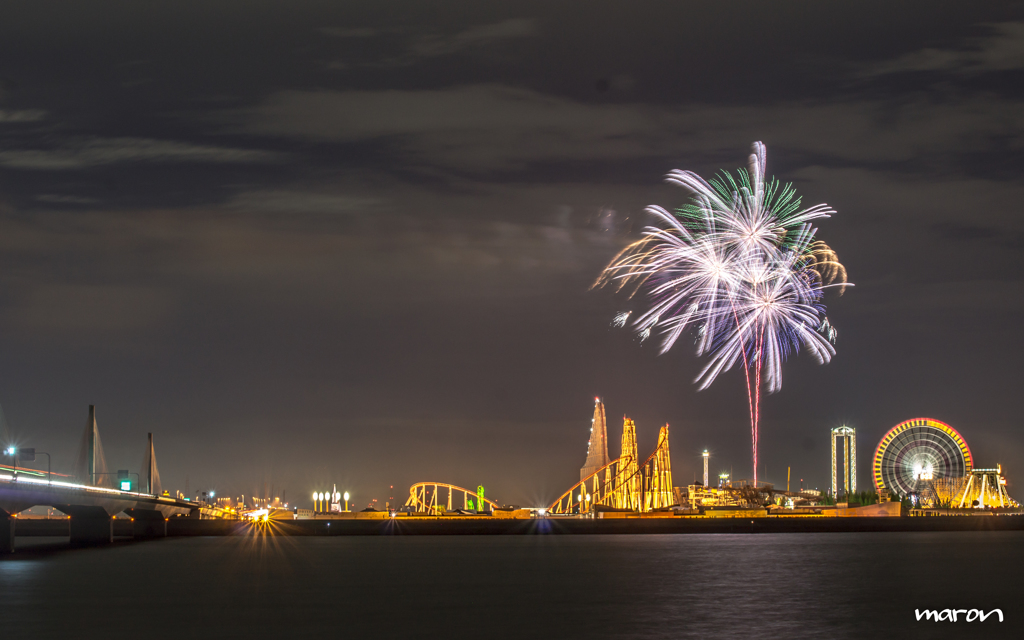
{"type": "Point", "coordinates": [920, 449]}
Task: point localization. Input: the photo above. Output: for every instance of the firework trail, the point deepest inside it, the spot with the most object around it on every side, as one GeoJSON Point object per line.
{"type": "Point", "coordinates": [740, 266]}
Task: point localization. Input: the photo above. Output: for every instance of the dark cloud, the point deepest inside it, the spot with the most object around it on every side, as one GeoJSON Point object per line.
{"type": "Point", "coordinates": [301, 201]}
{"type": "Point", "coordinates": [51, 198]}
{"type": "Point", "coordinates": [24, 115]}
{"type": "Point", "coordinates": [484, 127]}
{"type": "Point", "coordinates": [492, 127]}
{"type": "Point", "coordinates": [349, 32]}
{"type": "Point", "coordinates": [91, 152]}
{"type": "Point", "coordinates": [1001, 50]}
{"type": "Point", "coordinates": [477, 36]}
{"type": "Point", "coordinates": [421, 43]}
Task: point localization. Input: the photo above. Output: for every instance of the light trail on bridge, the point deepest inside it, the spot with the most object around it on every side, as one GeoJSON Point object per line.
{"type": "Point", "coordinates": [71, 485]}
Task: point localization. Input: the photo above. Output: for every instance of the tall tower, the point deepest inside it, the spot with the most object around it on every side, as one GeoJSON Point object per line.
{"type": "Point", "coordinates": [597, 450]}
{"type": "Point", "coordinates": [848, 435]}
{"type": "Point", "coordinates": [705, 455]}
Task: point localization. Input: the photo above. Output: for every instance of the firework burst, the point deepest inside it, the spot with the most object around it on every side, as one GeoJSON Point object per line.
{"type": "Point", "coordinates": [739, 266]}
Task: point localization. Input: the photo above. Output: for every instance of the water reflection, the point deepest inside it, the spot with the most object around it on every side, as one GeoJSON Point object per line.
{"type": "Point", "coordinates": [589, 586]}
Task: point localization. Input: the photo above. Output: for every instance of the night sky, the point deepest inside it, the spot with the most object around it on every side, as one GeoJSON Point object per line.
{"type": "Point", "coordinates": [307, 244]}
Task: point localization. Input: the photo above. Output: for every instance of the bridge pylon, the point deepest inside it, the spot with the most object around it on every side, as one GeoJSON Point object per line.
{"type": "Point", "coordinates": [92, 465]}
{"type": "Point", "coordinates": [152, 475]}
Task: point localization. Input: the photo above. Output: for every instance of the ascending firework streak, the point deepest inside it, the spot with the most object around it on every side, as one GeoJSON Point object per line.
{"type": "Point", "coordinates": [740, 266]}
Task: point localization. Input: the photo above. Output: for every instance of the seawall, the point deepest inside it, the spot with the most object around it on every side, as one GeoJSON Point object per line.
{"type": "Point", "coordinates": [548, 526]}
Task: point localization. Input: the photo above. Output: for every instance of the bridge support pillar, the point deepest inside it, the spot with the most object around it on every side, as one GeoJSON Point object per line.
{"type": "Point", "coordinates": [155, 527]}
{"type": "Point", "coordinates": [6, 533]}
{"type": "Point", "coordinates": [92, 530]}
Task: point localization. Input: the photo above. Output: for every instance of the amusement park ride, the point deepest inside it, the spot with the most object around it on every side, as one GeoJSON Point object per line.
{"type": "Point", "coordinates": [623, 484]}
{"type": "Point", "coordinates": [930, 461]}
{"type": "Point", "coordinates": [922, 459]}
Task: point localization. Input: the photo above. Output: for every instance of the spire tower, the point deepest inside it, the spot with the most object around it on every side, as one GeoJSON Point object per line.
{"type": "Point", "coordinates": [597, 450]}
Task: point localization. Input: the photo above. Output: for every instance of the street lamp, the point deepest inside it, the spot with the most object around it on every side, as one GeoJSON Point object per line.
{"type": "Point", "coordinates": [12, 453]}
{"type": "Point", "coordinates": [28, 455]}
{"type": "Point", "coordinates": [322, 501]}
{"type": "Point", "coordinates": [346, 501]}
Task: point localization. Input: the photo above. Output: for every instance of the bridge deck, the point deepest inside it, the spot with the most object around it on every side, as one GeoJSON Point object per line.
{"type": "Point", "coordinates": [18, 494]}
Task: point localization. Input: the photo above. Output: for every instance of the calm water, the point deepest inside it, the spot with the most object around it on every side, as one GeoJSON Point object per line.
{"type": "Point", "coordinates": [683, 586]}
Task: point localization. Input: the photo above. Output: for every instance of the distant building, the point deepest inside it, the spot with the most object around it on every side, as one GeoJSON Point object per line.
{"type": "Point", "coordinates": [700, 496]}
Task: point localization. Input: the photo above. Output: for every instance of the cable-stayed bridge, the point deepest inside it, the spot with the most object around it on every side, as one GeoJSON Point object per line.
{"type": "Point", "coordinates": [89, 497]}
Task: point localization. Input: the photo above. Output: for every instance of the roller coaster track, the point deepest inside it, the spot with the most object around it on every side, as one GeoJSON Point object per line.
{"type": "Point", "coordinates": [620, 484]}
{"type": "Point", "coordinates": [418, 497]}
{"type": "Point", "coordinates": [597, 493]}
{"type": "Point", "coordinates": [656, 483]}
{"type": "Point", "coordinates": [625, 486]}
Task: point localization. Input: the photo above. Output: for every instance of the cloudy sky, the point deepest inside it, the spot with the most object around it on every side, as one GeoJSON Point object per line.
{"type": "Point", "coordinates": [305, 244]}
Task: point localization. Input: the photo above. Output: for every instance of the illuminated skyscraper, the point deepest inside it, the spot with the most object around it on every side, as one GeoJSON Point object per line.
{"type": "Point", "coordinates": [705, 467]}
{"type": "Point", "coordinates": [848, 435]}
{"type": "Point", "coordinates": [597, 450]}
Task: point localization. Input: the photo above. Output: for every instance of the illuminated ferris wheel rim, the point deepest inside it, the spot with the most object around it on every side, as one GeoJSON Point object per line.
{"type": "Point", "coordinates": [882, 459]}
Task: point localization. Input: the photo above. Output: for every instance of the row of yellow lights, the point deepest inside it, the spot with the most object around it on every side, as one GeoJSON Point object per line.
{"type": "Point", "coordinates": [320, 497]}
